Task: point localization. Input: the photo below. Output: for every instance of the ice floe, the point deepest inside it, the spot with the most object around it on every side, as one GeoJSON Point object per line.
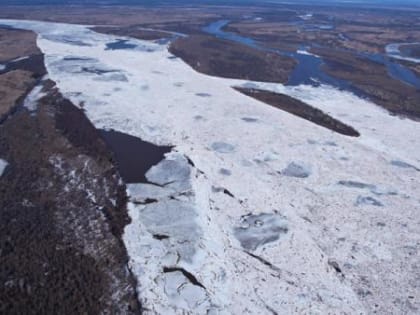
{"type": "Point", "coordinates": [222, 147]}
{"type": "Point", "coordinates": [256, 230]}
{"type": "Point", "coordinates": [296, 170]}
{"type": "Point", "coordinates": [165, 238]}
{"type": "Point", "coordinates": [144, 193]}
{"type": "Point", "coordinates": [173, 173]}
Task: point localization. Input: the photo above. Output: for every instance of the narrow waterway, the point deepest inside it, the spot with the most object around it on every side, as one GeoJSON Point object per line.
{"type": "Point", "coordinates": [308, 69]}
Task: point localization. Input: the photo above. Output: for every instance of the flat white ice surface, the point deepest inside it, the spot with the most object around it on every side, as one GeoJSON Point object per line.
{"type": "Point", "coordinates": [333, 221]}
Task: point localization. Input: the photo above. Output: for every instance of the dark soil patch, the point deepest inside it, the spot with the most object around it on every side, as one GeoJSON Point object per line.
{"type": "Point", "coordinates": [131, 31]}
{"type": "Point", "coordinates": [62, 213]}
{"type": "Point", "coordinates": [222, 58]}
{"type": "Point", "coordinates": [372, 79]}
{"type": "Point", "coordinates": [300, 109]}
{"type": "Point", "coordinates": [61, 250]}
{"type": "Point", "coordinates": [88, 138]}
{"type": "Point", "coordinates": [32, 64]}
{"type": "Point", "coordinates": [15, 43]}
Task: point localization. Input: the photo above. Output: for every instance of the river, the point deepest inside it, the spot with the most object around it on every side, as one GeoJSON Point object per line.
{"type": "Point", "coordinates": [308, 69]}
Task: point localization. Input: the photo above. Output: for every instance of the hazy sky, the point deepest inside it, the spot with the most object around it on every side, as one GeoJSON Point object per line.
{"type": "Point", "coordinates": [151, 2]}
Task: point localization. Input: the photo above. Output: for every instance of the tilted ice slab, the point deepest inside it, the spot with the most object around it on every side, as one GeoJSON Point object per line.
{"type": "Point", "coordinates": [164, 239]}
{"type": "Point", "coordinates": [342, 253]}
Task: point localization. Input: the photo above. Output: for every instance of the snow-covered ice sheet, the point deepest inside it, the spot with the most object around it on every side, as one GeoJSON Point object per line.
{"type": "Point", "coordinates": [333, 221]}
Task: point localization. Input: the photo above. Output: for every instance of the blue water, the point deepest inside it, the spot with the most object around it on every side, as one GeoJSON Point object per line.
{"type": "Point", "coordinates": [215, 29]}
{"type": "Point", "coordinates": [120, 44]}
{"type": "Point", "coordinates": [6, 26]}
{"type": "Point", "coordinates": [402, 73]}
{"type": "Point", "coordinates": [308, 69]}
{"type": "Point", "coordinates": [395, 70]}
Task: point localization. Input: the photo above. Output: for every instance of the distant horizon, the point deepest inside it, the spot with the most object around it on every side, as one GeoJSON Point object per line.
{"type": "Point", "coordinates": [210, 2]}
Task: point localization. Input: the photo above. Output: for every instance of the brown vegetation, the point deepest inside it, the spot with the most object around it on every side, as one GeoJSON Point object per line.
{"type": "Point", "coordinates": [17, 43]}
{"type": "Point", "coordinates": [373, 80]}
{"type": "Point", "coordinates": [222, 58]}
{"type": "Point", "coordinates": [59, 229]}
{"type": "Point", "coordinates": [132, 31]}
{"type": "Point", "coordinates": [19, 77]}
{"type": "Point", "coordinates": [62, 207]}
{"type": "Point", "coordinates": [344, 28]}
{"type": "Point", "coordinates": [14, 85]}
{"type": "Point", "coordinates": [300, 109]}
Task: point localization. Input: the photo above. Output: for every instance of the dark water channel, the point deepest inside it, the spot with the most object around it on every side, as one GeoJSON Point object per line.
{"type": "Point", "coordinates": [134, 156]}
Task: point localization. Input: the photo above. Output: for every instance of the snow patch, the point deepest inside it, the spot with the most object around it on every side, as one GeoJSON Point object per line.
{"type": "Point", "coordinates": [3, 165]}
{"type": "Point", "coordinates": [20, 59]}
{"type": "Point", "coordinates": [305, 52]}
{"type": "Point", "coordinates": [31, 100]}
